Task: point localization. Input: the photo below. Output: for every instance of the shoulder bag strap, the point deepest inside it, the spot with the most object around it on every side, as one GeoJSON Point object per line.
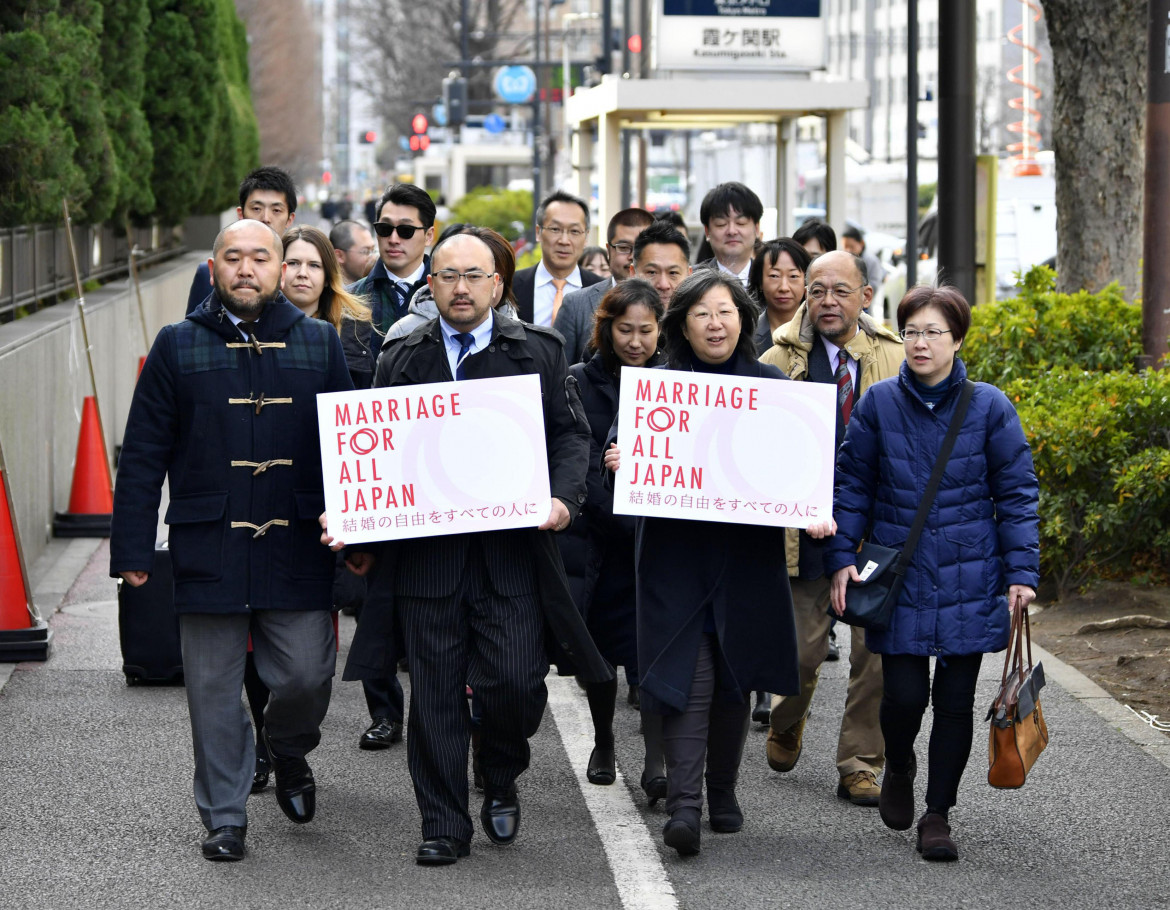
{"type": "Point", "coordinates": [940, 465]}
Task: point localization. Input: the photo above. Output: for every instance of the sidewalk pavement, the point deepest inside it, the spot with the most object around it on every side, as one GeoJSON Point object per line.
{"type": "Point", "coordinates": [96, 807]}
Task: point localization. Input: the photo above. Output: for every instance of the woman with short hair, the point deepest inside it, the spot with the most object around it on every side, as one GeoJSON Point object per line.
{"type": "Point", "coordinates": [977, 560]}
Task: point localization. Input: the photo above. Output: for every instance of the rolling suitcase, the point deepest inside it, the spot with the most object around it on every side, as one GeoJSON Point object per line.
{"type": "Point", "coordinates": [149, 627]}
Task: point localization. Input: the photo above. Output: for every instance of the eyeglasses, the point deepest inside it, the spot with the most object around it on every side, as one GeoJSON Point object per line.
{"type": "Point", "coordinates": [363, 250]}
{"type": "Point", "coordinates": [405, 231]}
{"type": "Point", "coordinates": [622, 247]}
{"type": "Point", "coordinates": [450, 277]}
{"type": "Point", "coordinates": [726, 315]}
{"type": "Point", "coordinates": [818, 292]}
{"type": "Point", "coordinates": [928, 334]}
{"type": "Point", "coordinates": [558, 232]}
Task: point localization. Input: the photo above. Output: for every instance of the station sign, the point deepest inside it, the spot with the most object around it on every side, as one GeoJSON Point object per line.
{"type": "Point", "coordinates": [740, 35]}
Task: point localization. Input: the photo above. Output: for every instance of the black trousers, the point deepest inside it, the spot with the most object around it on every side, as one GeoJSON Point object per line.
{"type": "Point", "coordinates": [908, 690]}
{"type": "Point", "coordinates": [495, 644]}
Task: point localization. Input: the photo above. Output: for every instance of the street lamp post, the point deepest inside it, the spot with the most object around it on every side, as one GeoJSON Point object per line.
{"type": "Point", "coordinates": [567, 21]}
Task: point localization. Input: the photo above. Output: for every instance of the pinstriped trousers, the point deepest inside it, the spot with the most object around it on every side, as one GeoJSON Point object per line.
{"type": "Point", "coordinates": [495, 644]}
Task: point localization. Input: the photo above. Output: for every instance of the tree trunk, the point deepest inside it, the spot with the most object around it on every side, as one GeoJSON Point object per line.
{"type": "Point", "coordinates": [1098, 135]}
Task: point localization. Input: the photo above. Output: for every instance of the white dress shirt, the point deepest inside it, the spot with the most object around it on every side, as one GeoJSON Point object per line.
{"type": "Point", "coordinates": [481, 336]}
{"type": "Point", "coordinates": [544, 292]}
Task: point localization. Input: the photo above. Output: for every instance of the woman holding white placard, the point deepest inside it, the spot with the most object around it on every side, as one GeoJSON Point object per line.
{"type": "Point", "coordinates": [714, 615]}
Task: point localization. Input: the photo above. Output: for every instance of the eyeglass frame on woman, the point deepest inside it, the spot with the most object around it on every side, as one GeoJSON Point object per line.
{"type": "Point", "coordinates": [450, 277]}
{"type": "Point", "coordinates": [405, 231]}
{"type": "Point", "coordinates": [926, 334]}
{"type": "Point", "coordinates": [835, 292]}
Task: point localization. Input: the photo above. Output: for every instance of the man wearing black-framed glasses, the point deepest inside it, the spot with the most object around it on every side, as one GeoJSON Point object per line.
{"type": "Point", "coordinates": [405, 227]}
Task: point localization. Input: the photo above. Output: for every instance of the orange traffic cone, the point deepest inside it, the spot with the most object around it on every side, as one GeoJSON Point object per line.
{"type": "Point", "coordinates": [91, 502]}
{"type": "Point", "coordinates": [23, 634]}
{"type": "Point", "coordinates": [141, 364]}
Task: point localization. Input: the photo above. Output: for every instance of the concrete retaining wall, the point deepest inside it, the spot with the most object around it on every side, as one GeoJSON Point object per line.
{"type": "Point", "coordinates": [44, 378]}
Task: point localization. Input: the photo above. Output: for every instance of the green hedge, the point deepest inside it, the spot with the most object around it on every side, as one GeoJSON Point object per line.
{"type": "Point", "coordinates": [1098, 428]}
{"type": "Point", "coordinates": [77, 120]}
{"type": "Point", "coordinates": [506, 211]}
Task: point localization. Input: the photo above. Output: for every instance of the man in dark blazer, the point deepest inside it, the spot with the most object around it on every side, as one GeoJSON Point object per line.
{"type": "Point", "coordinates": [562, 224]}
{"type": "Point", "coordinates": [269, 195]}
{"type": "Point", "coordinates": [731, 215]}
{"type": "Point", "coordinates": [475, 609]}
{"type": "Point", "coordinates": [226, 410]}
{"type": "Point", "coordinates": [575, 318]}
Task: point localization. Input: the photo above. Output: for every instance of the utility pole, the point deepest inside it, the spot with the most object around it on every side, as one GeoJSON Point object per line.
{"type": "Point", "coordinates": [956, 146]}
{"type": "Point", "coordinates": [911, 142]}
{"type": "Point", "coordinates": [1156, 242]}
{"type": "Point", "coordinates": [537, 189]}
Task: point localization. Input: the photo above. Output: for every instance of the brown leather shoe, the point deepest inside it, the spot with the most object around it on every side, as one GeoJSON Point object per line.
{"type": "Point", "coordinates": [860, 788]}
{"type": "Point", "coordinates": [783, 748]}
{"type": "Point", "coordinates": [934, 838]}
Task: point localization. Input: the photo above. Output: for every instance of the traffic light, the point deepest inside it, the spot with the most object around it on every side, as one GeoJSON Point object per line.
{"type": "Point", "coordinates": [368, 137]}
{"type": "Point", "coordinates": [419, 140]}
{"type": "Point", "coordinates": [634, 44]}
{"type": "Point", "coordinates": [455, 99]}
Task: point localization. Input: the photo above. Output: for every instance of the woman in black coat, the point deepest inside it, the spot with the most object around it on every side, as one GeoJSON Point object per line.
{"type": "Point", "coordinates": [714, 607]}
{"type": "Point", "coordinates": [625, 333]}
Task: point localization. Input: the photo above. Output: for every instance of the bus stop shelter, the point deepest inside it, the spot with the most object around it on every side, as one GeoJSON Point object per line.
{"type": "Point", "coordinates": [599, 114]}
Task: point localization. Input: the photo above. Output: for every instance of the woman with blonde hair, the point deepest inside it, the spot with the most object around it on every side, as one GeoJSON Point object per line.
{"type": "Point", "coordinates": [313, 284]}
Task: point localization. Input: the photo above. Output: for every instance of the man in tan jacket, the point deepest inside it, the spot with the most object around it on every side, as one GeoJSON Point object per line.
{"type": "Point", "coordinates": [831, 340]}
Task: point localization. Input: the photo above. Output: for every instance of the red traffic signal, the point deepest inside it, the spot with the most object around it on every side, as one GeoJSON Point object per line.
{"type": "Point", "coordinates": [418, 123]}
{"type": "Point", "coordinates": [369, 137]}
{"type": "Point", "coordinates": [419, 143]}
{"type": "Point", "coordinates": [635, 44]}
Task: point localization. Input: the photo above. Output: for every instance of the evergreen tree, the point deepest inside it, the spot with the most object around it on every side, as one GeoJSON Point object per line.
{"type": "Point", "coordinates": [124, 28]}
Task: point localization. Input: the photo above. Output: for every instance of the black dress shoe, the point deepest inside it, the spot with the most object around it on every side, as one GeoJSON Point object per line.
{"type": "Point", "coordinates": [633, 698]}
{"type": "Point", "coordinates": [500, 815]}
{"type": "Point", "coordinates": [602, 768]}
{"type": "Point", "coordinates": [723, 811]}
{"type": "Point", "coordinates": [381, 734]}
{"type": "Point", "coordinates": [682, 831]}
{"type": "Point", "coordinates": [654, 788]}
{"type": "Point", "coordinates": [833, 653]}
{"type": "Point", "coordinates": [263, 768]}
{"type": "Point", "coordinates": [225, 844]}
{"type": "Point", "coordinates": [762, 711]}
{"type": "Point", "coordinates": [296, 791]}
{"type": "Point", "coordinates": [441, 851]}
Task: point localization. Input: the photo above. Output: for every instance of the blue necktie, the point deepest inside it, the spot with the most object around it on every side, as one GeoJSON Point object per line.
{"type": "Point", "coordinates": [466, 340]}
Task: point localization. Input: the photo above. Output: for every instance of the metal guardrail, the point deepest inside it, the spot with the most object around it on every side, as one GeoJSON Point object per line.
{"type": "Point", "coordinates": [35, 268]}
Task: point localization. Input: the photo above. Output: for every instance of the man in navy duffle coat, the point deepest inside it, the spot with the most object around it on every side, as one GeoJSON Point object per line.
{"type": "Point", "coordinates": [226, 409]}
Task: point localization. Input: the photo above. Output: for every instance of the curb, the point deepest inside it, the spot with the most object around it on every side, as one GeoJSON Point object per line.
{"type": "Point", "coordinates": [1114, 713]}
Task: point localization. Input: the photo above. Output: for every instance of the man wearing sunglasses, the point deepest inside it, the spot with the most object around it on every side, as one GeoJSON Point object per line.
{"type": "Point", "coordinates": [830, 339]}
{"type": "Point", "coordinates": [575, 317]}
{"type": "Point", "coordinates": [405, 227]}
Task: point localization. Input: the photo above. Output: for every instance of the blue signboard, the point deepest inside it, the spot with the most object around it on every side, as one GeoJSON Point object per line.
{"type": "Point", "coordinates": [515, 84]}
{"type": "Point", "coordinates": [797, 9]}
{"type": "Point", "coordinates": [494, 123]}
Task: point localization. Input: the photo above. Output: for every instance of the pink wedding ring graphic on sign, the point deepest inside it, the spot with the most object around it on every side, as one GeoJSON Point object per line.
{"type": "Point", "coordinates": [725, 448]}
{"type": "Point", "coordinates": [440, 458]}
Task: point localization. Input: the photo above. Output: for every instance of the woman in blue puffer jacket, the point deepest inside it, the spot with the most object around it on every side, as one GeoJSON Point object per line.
{"type": "Point", "coordinates": [977, 560]}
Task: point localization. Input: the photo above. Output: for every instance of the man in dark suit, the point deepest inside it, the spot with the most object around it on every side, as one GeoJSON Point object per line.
{"type": "Point", "coordinates": [268, 195]}
{"type": "Point", "coordinates": [226, 410]}
{"type": "Point", "coordinates": [731, 215]}
{"type": "Point", "coordinates": [562, 224]}
{"type": "Point", "coordinates": [473, 609]}
{"type": "Point", "coordinates": [575, 318]}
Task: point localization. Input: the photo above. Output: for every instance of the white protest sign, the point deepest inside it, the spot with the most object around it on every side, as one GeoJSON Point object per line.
{"type": "Point", "coordinates": [440, 458]}
{"type": "Point", "coordinates": [725, 448]}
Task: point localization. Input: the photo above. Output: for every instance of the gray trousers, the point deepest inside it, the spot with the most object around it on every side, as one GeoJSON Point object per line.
{"type": "Point", "coordinates": [296, 656]}
{"type": "Point", "coordinates": [711, 732]}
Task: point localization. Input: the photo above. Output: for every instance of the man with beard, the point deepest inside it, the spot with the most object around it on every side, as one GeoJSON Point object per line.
{"type": "Point", "coordinates": [476, 609]}
{"type": "Point", "coordinates": [226, 410]}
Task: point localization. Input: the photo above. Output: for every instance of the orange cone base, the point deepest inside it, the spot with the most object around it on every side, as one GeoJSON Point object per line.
{"type": "Point", "coordinates": [33, 643]}
{"type": "Point", "coordinates": [70, 524]}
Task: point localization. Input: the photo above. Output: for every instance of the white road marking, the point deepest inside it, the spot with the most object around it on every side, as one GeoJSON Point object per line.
{"type": "Point", "coordinates": [633, 858]}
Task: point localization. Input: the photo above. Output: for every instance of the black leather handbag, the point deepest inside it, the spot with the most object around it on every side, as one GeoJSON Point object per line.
{"type": "Point", "coordinates": [869, 602]}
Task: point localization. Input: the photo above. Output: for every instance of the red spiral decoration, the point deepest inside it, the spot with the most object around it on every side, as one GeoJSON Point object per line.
{"type": "Point", "coordinates": [1025, 127]}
